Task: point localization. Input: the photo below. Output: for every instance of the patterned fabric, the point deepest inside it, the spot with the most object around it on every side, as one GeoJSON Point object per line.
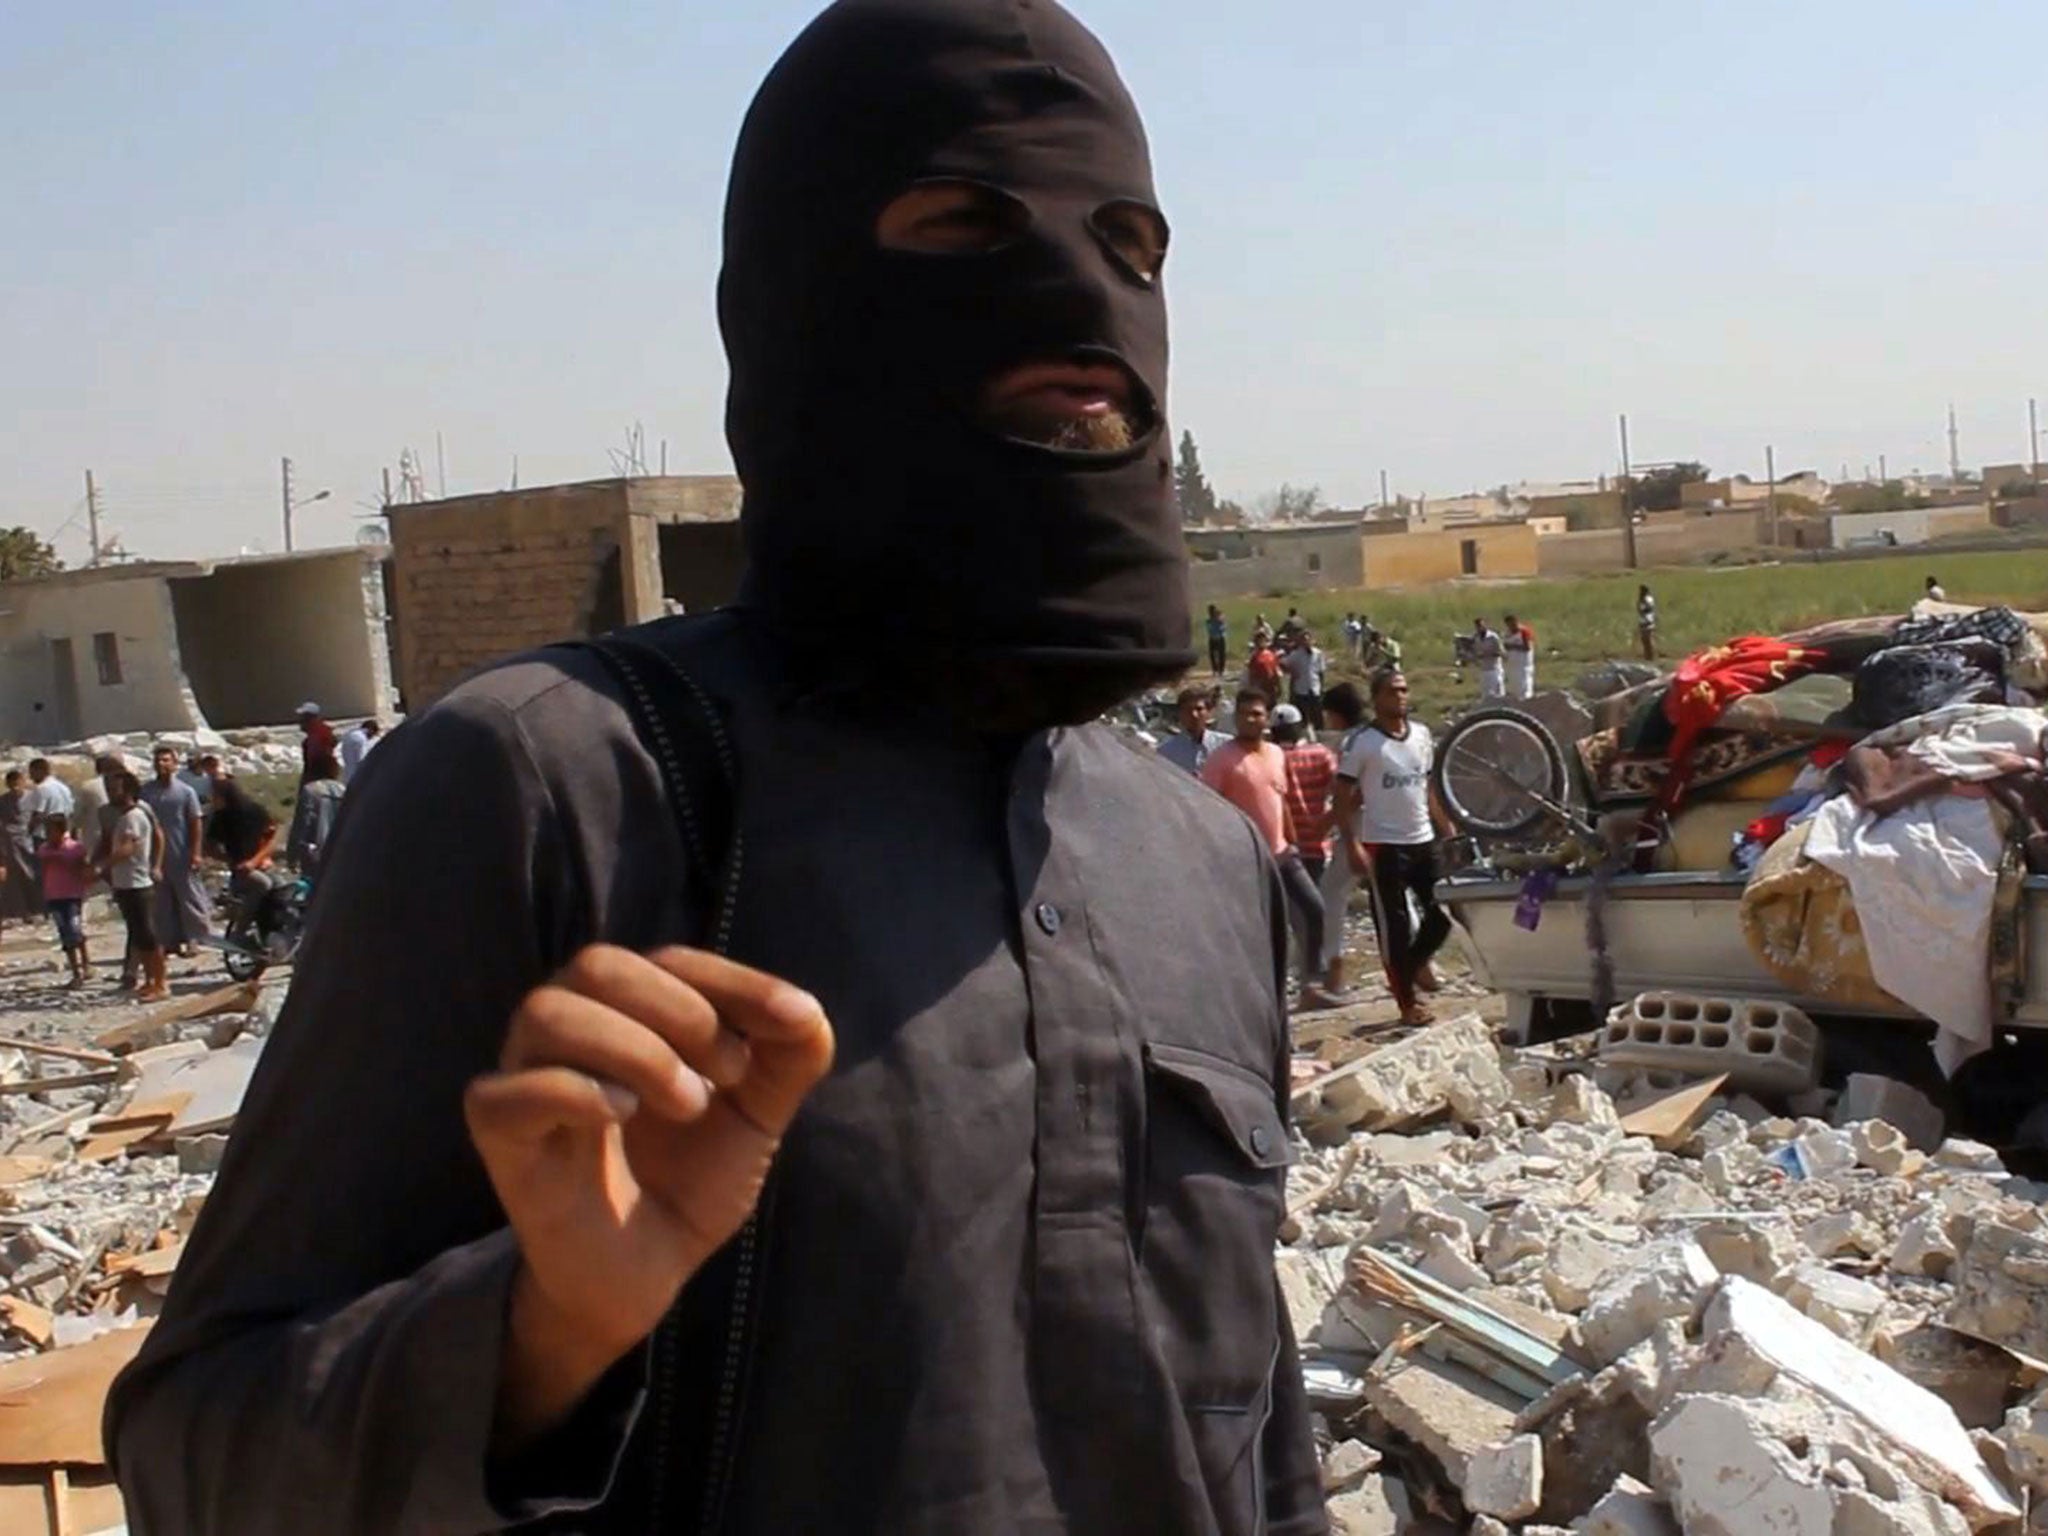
{"type": "Point", "coordinates": [1311, 771]}
{"type": "Point", "coordinates": [1799, 921]}
{"type": "Point", "coordinates": [1614, 777]}
{"type": "Point", "coordinates": [1708, 681]}
{"type": "Point", "coordinates": [2001, 626]}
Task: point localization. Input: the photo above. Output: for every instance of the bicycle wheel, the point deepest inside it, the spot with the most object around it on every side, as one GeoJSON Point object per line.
{"type": "Point", "coordinates": [1490, 767]}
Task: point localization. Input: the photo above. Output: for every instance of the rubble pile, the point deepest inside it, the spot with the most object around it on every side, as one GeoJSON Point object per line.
{"type": "Point", "coordinates": [1538, 1290]}
{"type": "Point", "coordinates": [105, 1158]}
{"type": "Point", "coordinates": [266, 749]}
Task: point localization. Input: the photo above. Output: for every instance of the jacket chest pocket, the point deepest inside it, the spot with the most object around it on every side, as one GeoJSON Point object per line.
{"type": "Point", "coordinates": [1212, 1199]}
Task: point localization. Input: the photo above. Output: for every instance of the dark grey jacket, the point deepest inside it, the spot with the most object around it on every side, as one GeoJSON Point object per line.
{"type": "Point", "coordinates": [1017, 1275]}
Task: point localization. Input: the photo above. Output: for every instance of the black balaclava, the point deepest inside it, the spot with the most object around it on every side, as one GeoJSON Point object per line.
{"type": "Point", "coordinates": [878, 505]}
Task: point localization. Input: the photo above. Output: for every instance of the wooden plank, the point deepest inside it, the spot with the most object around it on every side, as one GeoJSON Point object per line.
{"type": "Point", "coordinates": [66, 1052]}
{"type": "Point", "coordinates": [240, 997]}
{"type": "Point", "coordinates": [104, 1146]}
{"type": "Point", "coordinates": [19, 1170]}
{"type": "Point", "coordinates": [60, 1503]}
{"type": "Point", "coordinates": [92, 1502]}
{"type": "Point", "coordinates": [52, 1084]}
{"type": "Point", "coordinates": [152, 1265]}
{"type": "Point", "coordinates": [29, 1319]}
{"type": "Point", "coordinates": [162, 1109]}
{"type": "Point", "coordinates": [50, 1404]}
{"type": "Point", "coordinates": [51, 1124]}
{"type": "Point", "coordinates": [1668, 1118]}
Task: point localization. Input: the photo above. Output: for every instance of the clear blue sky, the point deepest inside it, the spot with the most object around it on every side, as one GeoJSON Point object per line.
{"type": "Point", "coordinates": [1449, 239]}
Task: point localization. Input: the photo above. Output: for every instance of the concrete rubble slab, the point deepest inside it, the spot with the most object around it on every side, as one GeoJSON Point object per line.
{"type": "Point", "coordinates": [1866, 1096]}
{"type": "Point", "coordinates": [1505, 1480]}
{"type": "Point", "coordinates": [1451, 1412]}
{"type": "Point", "coordinates": [1377, 1507]}
{"type": "Point", "coordinates": [1919, 1431]}
{"type": "Point", "coordinates": [1668, 1281]}
{"type": "Point", "coordinates": [1630, 1508]}
{"type": "Point", "coordinates": [1451, 1066]}
{"type": "Point", "coordinates": [1735, 1467]}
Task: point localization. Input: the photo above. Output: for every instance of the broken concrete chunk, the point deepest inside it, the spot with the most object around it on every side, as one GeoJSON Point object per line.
{"type": "Point", "coordinates": [1744, 1468]}
{"type": "Point", "coordinates": [1974, 1378]}
{"type": "Point", "coordinates": [2001, 1288]}
{"type": "Point", "coordinates": [1308, 1279]}
{"type": "Point", "coordinates": [1521, 1233]}
{"type": "Point", "coordinates": [1825, 1152]}
{"type": "Point", "coordinates": [1449, 1411]}
{"type": "Point", "coordinates": [1677, 1195]}
{"type": "Point", "coordinates": [1629, 1509]}
{"type": "Point", "coordinates": [1578, 1265]}
{"type": "Point", "coordinates": [1578, 1101]}
{"type": "Point", "coordinates": [1377, 1507]}
{"type": "Point", "coordinates": [1841, 1232]}
{"type": "Point", "coordinates": [1669, 1281]}
{"type": "Point", "coordinates": [1346, 1466]}
{"type": "Point", "coordinates": [1917, 1430]}
{"type": "Point", "coordinates": [1883, 1149]}
{"type": "Point", "coordinates": [1869, 1097]}
{"type": "Point", "coordinates": [1760, 1251]}
{"type": "Point", "coordinates": [1451, 1262]}
{"type": "Point", "coordinates": [1969, 1157]}
{"type": "Point", "coordinates": [1763, 1046]}
{"type": "Point", "coordinates": [1924, 1247]}
{"type": "Point", "coordinates": [1506, 1480]}
{"type": "Point", "coordinates": [1846, 1306]}
{"type": "Point", "coordinates": [1453, 1065]}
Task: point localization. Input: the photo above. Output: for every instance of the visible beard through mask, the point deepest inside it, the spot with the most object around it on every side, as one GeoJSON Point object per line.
{"type": "Point", "coordinates": [1098, 432]}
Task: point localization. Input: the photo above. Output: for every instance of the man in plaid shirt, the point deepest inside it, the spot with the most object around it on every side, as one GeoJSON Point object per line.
{"type": "Point", "coordinates": [1311, 774]}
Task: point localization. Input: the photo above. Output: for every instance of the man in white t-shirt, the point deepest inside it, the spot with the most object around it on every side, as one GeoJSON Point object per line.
{"type": "Point", "coordinates": [1489, 655]}
{"type": "Point", "coordinates": [1303, 664]}
{"type": "Point", "coordinates": [1392, 841]}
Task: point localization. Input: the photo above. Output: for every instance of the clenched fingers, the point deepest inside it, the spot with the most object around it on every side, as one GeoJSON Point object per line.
{"type": "Point", "coordinates": [556, 1027]}
{"type": "Point", "coordinates": [528, 1106]}
{"type": "Point", "coordinates": [788, 1037]}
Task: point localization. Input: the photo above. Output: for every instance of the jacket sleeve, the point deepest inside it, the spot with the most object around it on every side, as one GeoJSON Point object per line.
{"type": "Point", "coordinates": [1294, 1476]}
{"type": "Point", "coordinates": [327, 1362]}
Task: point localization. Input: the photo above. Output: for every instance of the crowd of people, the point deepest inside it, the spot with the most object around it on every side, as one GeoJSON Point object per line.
{"type": "Point", "coordinates": [1362, 811]}
{"type": "Point", "coordinates": [144, 841]}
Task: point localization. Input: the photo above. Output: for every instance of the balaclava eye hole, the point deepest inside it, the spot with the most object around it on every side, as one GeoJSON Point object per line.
{"type": "Point", "coordinates": [951, 216]}
{"type": "Point", "coordinates": [1135, 235]}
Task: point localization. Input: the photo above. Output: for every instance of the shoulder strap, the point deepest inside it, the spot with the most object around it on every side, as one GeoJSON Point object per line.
{"type": "Point", "coordinates": [680, 726]}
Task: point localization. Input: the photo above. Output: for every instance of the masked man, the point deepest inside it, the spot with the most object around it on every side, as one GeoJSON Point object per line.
{"type": "Point", "coordinates": [1013, 1268]}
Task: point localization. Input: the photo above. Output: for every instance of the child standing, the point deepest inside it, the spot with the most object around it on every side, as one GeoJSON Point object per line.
{"type": "Point", "coordinates": [65, 877]}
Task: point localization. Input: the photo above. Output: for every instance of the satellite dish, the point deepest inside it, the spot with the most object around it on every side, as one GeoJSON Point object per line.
{"type": "Point", "coordinates": [373, 533]}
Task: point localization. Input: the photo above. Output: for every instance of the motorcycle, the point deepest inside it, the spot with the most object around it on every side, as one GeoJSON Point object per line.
{"type": "Point", "coordinates": [260, 930]}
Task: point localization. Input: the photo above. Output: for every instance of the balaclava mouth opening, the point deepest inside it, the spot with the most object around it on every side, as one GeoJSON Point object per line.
{"type": "Point", "coordinates": [879, 501]}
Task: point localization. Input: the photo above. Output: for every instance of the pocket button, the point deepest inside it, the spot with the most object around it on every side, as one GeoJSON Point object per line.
{"type": "Point", "coordinates": [1048, 918]}
{"type": "Point", "coordinates": [1260, 1141]}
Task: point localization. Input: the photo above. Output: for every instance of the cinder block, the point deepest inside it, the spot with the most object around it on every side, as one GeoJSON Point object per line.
{"type": "Point", "coordinates": [1764, 1047]}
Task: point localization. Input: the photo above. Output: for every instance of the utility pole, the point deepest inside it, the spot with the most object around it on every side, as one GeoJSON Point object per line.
{"type": "Point", "coordinates": [1884, 472]}
{"type": "Point", "coordinates": [92, 517]}
{"type": "Point", "coordinates": [1955, 452]}
{"type": "Point", "coordinates": [387, 487]}
{"type": "Point", "coordinates": [1771, 494]}
{"type": "Point", "coordinates": [1628, 515]}
{"type": "Point", "coordinates": [2033, 444]}
{"type": "Point", "coordinates": [1383, 490]}
{"type": "Point", "coordinates": [287, 463]}
{"type": "Point", "coordinates": [440, 465]}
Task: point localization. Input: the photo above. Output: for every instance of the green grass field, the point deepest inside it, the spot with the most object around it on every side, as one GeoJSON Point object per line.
{"type": "Point", "coordinates": [1589, 619]}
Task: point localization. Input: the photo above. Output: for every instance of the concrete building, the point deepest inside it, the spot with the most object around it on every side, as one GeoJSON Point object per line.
{"type": "Point", "coordinates": [191, 645]}
{"type": "Point", "coordinates": [1998, 476]}
{"type": "Point", "coordinates": [1401, 555]}
{"type": "Point", "coordinates": [1248, 562]}
{"type": "Point", "coordinates": [1916, 525]}
{"type": "Point", "coordinates": [478, 578]}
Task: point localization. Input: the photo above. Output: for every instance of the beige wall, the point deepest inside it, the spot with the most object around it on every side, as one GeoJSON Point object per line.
{"type": "Point", "coordinates": [258, 638]}
{"type": "Point", "coordinates": [1419, 558]}
{"type": "Point", "coordinates": [1668, 539]}
{"type": "Point", "coordinates": [1580, 509]}
{"type": "Point", "coordinates": [1245, 562]}
{"type": "Point", "coordinates": [45, 701]}
{"type": "Point", "coordinates": [1914, 525]}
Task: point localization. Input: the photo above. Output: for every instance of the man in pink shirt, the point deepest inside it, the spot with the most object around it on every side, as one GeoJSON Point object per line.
{"type": "Point", "coordinates": [1251, 773]}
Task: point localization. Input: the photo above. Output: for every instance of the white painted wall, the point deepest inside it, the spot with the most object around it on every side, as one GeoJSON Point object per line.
{"type": "Point", "coordinates": [136, 610]}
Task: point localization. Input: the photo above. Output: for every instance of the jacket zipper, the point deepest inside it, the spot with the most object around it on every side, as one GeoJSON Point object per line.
{"type": "Point", "coordinates": [720, 1454]}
